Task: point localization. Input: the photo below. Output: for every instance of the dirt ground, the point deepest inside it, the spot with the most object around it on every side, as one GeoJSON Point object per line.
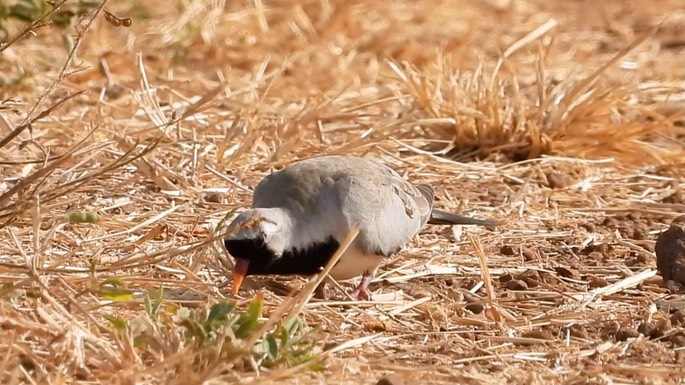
{"type": "Point", "coordinates": [565, 120]}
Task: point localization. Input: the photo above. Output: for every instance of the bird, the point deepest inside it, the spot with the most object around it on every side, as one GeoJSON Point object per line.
{"type": "Point", "coordinates": [301, 213]}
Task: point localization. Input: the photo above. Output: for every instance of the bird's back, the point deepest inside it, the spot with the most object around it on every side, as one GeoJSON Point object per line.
{"type": "Point", "coordinates": [329, 195]}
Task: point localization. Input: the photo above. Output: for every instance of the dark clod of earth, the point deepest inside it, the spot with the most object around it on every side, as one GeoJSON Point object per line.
{"type": "Point", "coordinates": [595, 282]}
{"type": "Point", "coordinates": [526, 253]}
{"type": "Point", "coordinates": [393, 379]}
{"type": "Point", "coordinates": [516, 284]}
{"type": "Point", "coordinates": [670, 252]}
{"type": "Point", "coordinates": [474, 303]}
{"type": "Point", "coordinates": [623, 334]}
{"type": "Point", "coordinates": [675, 198]}
{"type": "Point", "coordinates": [567, 272]}
{"type": "Point", "coordinates": [631, 225]}
{"type": "Point", "coordinates": [678, 318]}
{"type": "Point", "coordinates": [558, 180]}
{"type": "Point", "coordinates": [657, 328]}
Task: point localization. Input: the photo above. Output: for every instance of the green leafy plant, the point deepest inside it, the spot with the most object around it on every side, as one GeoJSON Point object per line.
{"type": "Point", "coordinates": [152, 306]}
{"type": "Point", "coordinates": [83, 217]}
{"type": "Point", "coordinates": [28, 11]}
{"type": "Point", "coordinates": [292, 343]}
{"type": "Point", "coordinates": [113, 289]}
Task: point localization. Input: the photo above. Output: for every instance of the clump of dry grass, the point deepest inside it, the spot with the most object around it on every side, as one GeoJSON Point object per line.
{"type": "Point", "coordinates": [527, 115]}
{"type": "Point", "coordinates": [117, 168]}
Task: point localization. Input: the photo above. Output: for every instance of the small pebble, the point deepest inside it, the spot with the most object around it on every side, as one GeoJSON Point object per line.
{"type": "Point", "coordinates": [678, 318]}
{"type": "Point", "coordinates": [567, 272]}
{"type": "Point", "coordinates": [596, 282]}
{"type": "Point", "coordinates": [474, 303]}
{"type": "Point", "coordinates": [675, 198]}
{"type": "Point", "coordinates": [528, 254]}
{"type": "Point", "coordinates": [624, 334]}
{"type": "Point", "coordinates": [214, 197]}
{"type": "Point", "coordinates": [516, 284]}
{"type": "Point", "coordinates": [507, 250]}
{"type": "Point", "coordinates": [557, 180]}
{"type": "Point", "coordinates": [393, 379]}
{"type": "Point", "coordinates": [589, 226]}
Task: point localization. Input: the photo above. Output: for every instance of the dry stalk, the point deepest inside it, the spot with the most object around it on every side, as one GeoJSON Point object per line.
{"type": "Point", "coordinates": [38, 23]}
{"type": "Point", "coordinates": [294, 304]}
{"type": "Point", "coordinates": [487, 279]}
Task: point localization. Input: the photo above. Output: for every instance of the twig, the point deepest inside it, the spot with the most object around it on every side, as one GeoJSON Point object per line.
{"type": "Point", "coordinates": [19, 129]}
{"type": "Point", "coordinates": [294, 304]}
{"type": "Point", "coordinates": [35, 24]}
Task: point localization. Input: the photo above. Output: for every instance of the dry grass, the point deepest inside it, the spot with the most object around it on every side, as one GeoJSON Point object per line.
{"type": "Point", "coordinates": [563, 118]}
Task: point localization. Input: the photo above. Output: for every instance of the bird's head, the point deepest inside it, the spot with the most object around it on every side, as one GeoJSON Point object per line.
{"type": "Point", "coordinates": [255, 238]}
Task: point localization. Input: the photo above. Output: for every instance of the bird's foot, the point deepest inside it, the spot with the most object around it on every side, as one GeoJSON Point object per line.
{"type": "Point", "coordinates": [361, 293]}
{"type": "Point", "coordinates": [362, 290]}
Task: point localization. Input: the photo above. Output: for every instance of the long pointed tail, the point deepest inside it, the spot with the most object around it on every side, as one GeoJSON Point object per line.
{"type": "Point", "coordinates": [443, 218]}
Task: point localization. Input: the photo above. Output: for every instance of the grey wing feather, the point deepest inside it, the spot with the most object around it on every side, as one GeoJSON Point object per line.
{"type": "Point", "coordinates": [401, 209]}
{"type": "Point", "coordinates": [428, 195]}
{"type": "Point", "coordinates": [439, 217]}
{"type": "Point", "coordinates": [387, 208]}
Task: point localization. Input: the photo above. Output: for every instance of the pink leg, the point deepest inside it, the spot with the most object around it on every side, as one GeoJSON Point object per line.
{"type": "Point", "coordinates": [361, 291]}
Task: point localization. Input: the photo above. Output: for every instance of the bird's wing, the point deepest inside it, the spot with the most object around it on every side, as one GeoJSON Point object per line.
{"type": "Point", "coordinates": [387, 208]}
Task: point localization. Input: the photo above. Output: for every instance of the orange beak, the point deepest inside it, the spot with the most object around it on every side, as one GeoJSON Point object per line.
{"type": "Point", "coordinates": [239, 272]}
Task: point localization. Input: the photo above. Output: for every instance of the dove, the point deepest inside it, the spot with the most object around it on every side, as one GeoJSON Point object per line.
{"type": "Point", "coordinates": [300, 215]}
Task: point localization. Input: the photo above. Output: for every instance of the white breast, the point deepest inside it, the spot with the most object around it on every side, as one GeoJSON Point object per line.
{"type": "Point", "coordinates": [354, 263]}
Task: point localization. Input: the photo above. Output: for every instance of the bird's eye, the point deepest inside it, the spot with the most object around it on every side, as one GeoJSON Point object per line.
{"type": "Point", "coordinates": [260, 239]}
